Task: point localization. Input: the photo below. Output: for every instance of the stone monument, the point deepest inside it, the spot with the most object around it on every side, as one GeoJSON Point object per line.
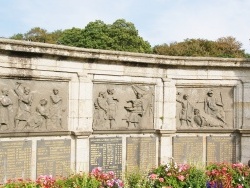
{"type": "Point", "coordinates": [65, 109]}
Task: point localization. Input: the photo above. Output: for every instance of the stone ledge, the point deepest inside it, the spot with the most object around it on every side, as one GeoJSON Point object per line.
{"type": "Point", "coordinates": [148, 131]}
{"type": "Point", "coordinates": [208, 131]}
{"type": "Point", "coordinates": [34, 134]}
{"type": "Point", "coordinates": [245, 132]}
{"type": "Point", "coordinates": [166, 132]}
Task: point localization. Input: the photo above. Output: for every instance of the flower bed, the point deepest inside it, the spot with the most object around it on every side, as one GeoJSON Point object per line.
{"type": "Point", "coordinates": [171, 175]}
{"type": "Point", "coordinates": [215, 175]}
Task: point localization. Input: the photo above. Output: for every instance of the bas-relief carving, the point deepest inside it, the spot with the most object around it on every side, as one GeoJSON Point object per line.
{"type": "Point", "coordinates": [32, 105]}
{"type": "Point", "coordinates": [204, 107]}
{"type": "Point", "coordinates": [123, 107]}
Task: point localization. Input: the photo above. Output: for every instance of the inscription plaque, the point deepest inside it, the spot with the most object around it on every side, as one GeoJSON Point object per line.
{"type": "Point", "coordinates": [187, 149]}
{"type": "Point", "coordinates": [221, 149]}
{"type": "Point", "coordinates": [106, 153]}
{"type": "Point", "coordinates": [53, 157]}
{"type": "Point", "coordinates": [141, 153]}
{"type": "Point", "coordinates": [15, 158]}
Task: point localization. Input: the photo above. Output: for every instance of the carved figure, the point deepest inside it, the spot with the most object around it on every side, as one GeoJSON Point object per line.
{"type": "Point", "coordinates": [214, 107]}
{"type": "Point", "coordinates": [135, 111]}
{"type": "Point", "coordinates": [101, 108]}
{"type": "Point", "coordinates": [5, 110]}
{"type": "Point", "coordinates": [42, 114]}
{"type": "Point", "coordinates": [147, 99]}
{"type": "Point", "coordinates": [56, 109]}
{"type": "Point", "coordinates": [198, 119]}
{"type": "Point", "coordinates": [112, 107]}
{"type": "Point", "coordinates": [22, 119]}
{"type": "Point", "coordinates": [187, 111]}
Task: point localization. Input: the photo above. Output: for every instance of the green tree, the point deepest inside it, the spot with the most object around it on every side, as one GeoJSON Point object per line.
{"type": "Point", "coordinates": [53, 37]}
{"type": "Point", "coordinates": [224, 47]}
{"type": "Point", "coordinates": [126, 38]}
{"type": "Point", "coordinates": [96, 35]}
{"type": "Point", "coordinates": [71, 37]}
{"type": "Point", "coordinates": [38, 34]}
{"type": "Point", "coordinates": [229, 47]}
{"type": "Point", "coordinates": [18, 36]}
{"type": "Point", "coordinates": [120, 35]}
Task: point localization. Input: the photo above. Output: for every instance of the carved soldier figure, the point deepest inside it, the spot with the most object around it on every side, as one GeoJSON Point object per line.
{"type": "Point", "coordinates": [42, 114]}
{"type": "Point", "coordinates": [22, 119]}
{"type": "Point", "coordinates": [135, 112]}
{"type": "Point", "coordinates": [187, 111]}
{"type": "Point", "coordinates": [5, 109]}
{"type": "Point", "coordinates": [112, 107]}
{"type": "Point", "coordinates": [56, 109]}
{"type": "Point", "coordinates": [101, 108]}
{"type": "Point", "coordinates": [214, 107]}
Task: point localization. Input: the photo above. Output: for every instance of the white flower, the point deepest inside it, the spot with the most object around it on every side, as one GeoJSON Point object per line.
{"type": "Point", "coordinates": [175, 165]}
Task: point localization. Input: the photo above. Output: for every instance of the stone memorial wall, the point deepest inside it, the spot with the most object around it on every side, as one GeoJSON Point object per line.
{"type": "Point", "coordinates": [66, 109]}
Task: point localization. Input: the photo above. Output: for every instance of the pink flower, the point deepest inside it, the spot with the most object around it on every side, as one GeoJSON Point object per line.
{"type": "Point", "coordinates": [239, 186]}
{"type": "Point", "coordinates": [119, 183]}
{"type": "Point", "coordinates": [110, 183]}
{"type": "Point", "coordinates": [153, 176]}
{"type": "Point", "coordinates": [183, 167]}
{"type": "Point", "coordinates": [238, 165]}
{"type": "Point", "coordinates": [111, 173]}
{"type": "Point", "coordinates": [161, 180]}
{"type": "Point", "coordinates": [181, 177]}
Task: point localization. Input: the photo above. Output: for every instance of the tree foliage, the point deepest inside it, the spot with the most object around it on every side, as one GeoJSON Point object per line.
{"type": "Point", "coordinates": [120, 35]}
{"type": "Point", "coordinates": [71, 37]}
{"type": "Point", "coordinates": [227, 47]}
{"type": "Point", "coordinates": [38, 34]}
{"type": "Point", "coordinates": [123, 36]}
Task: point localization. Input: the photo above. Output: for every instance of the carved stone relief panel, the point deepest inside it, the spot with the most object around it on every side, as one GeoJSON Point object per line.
{"type": "Point", "coordinates": [120, 106]}
{"type": "Point", "coordinates": [33, 105]}
{"type": "Point", "coordinates": [203, 107]}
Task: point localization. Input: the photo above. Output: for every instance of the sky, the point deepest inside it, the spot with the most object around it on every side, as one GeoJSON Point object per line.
{"type": "Point", "coordinates": [157, 21]}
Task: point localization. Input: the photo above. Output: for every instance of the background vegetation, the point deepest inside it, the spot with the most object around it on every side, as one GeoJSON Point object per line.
{"type": "Point", "coordinates": [123, 36]}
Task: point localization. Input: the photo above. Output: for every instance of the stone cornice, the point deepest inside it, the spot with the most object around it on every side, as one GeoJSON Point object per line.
{"type": "Point", "coordinates": [35, 134]}
{"type": "Point", "coordinates": [118, 56]}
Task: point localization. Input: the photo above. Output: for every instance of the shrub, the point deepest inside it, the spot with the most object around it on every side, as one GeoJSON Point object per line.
{"type": "Point", "coordinates": [107, 179]}
{"type": "Point", "coordinates": [170, 175]}
{"type": "Point", "coordinates": [228, 175]}
{"type": "Point", "coordinates": [137, 179]}
{"type": "Point", "coordinates": [178, 175]}
{"type": "Point", "coordinates": [19, 183]}
{"type": "Point", "coordinates": [77, 180]}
